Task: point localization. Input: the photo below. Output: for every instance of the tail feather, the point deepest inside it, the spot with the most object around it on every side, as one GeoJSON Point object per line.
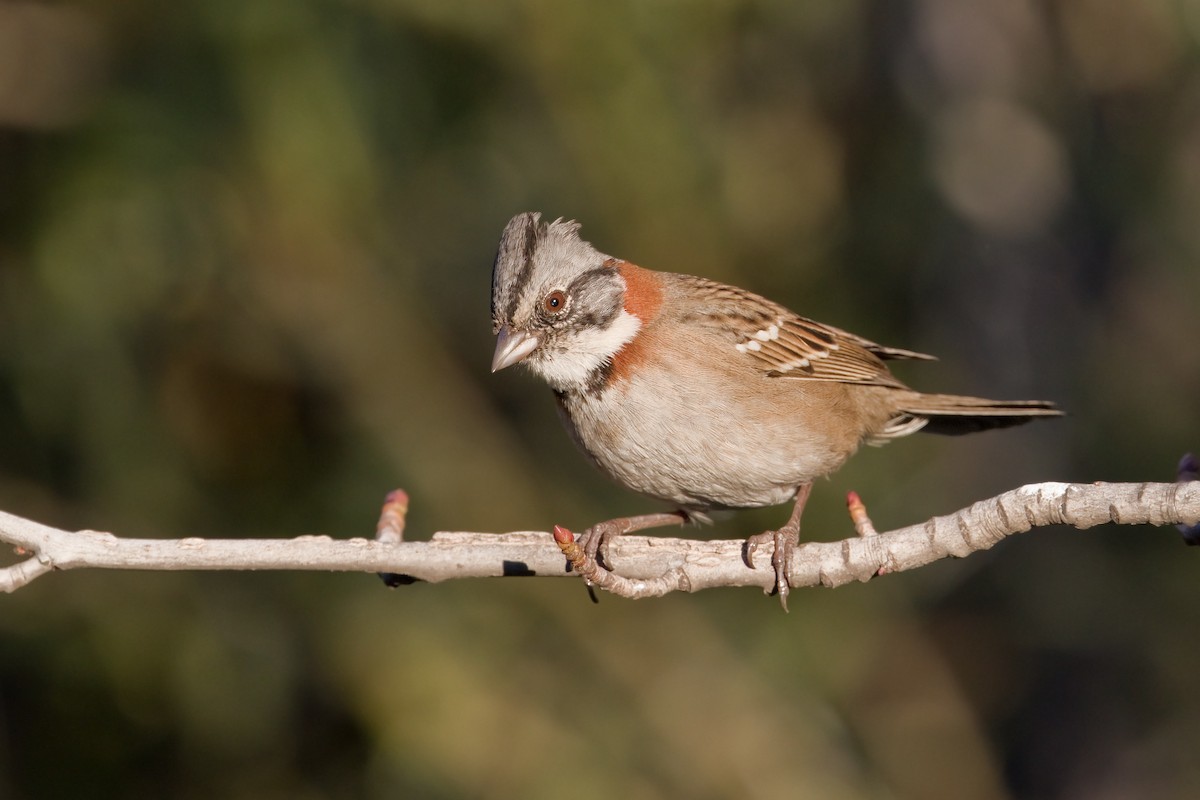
{"type": "Point", "coordinates": [953, 414]}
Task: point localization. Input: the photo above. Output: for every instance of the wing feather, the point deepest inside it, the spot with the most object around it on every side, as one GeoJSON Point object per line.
{"type": "Point", "coordinates": [785, 345]}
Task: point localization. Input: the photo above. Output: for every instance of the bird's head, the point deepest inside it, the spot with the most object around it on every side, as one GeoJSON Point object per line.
{"type": "Point", "coordinates": [558, 304]}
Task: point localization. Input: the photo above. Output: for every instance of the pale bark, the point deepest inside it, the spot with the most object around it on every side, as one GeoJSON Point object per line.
{"type": "Point", "coordinates": [642, 566]}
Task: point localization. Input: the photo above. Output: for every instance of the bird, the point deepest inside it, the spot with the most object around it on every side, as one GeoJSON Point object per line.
{"type": "Point", "coordinates": [700, 394]}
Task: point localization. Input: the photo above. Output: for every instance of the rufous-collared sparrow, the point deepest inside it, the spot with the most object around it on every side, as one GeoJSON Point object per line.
{"type": "Point", "coordinates": [700, 394]}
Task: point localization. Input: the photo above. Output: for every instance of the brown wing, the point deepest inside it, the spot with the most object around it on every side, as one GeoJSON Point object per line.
{"type": "Point", "coordinates": [884, 352]}
{"type": "Point", "coordinates": [786, 345]}
{"type": "Point", "coordinates": [795, 347]}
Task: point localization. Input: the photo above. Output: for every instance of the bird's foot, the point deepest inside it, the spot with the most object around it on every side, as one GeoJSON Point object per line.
{"type": "Point", "coordinates": [784, 542]}
{"type": "Point", "coordinates": [595, 540]}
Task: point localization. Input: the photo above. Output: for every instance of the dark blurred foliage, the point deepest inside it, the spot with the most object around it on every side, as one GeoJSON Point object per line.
{"type": "Point", "coordinates": [244, 270]}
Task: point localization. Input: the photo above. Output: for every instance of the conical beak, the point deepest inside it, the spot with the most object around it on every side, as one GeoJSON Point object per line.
{"type": "Point", "coordinates": [511, 347]}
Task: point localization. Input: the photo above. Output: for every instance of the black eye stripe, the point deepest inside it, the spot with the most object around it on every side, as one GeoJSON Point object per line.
{"type": "Point", "coordinates": [594, 293]}
{"type": "Point", "coordinates": [599, 274]}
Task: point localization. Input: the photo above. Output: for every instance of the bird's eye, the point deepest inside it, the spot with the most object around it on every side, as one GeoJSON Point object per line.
{"type": "Point", "coordinates": [555, 302]}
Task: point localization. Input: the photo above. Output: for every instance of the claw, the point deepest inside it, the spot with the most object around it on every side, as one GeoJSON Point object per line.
{"type": "Point", "coordinates": [595, 541]}
{"type": "Point", "coordinates": [784, 541]}
{"type": "Point", "coordinates": [592, 546]}
{"type": "Point", "coordinates": [748, 550]}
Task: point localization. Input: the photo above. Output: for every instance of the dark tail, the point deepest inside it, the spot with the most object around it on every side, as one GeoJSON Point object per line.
{"type": "Point", "coordinates": [953, 415]}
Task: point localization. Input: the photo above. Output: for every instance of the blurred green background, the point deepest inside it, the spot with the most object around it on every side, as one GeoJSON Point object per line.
{"type": "Point", "coordinates": [245, 251]}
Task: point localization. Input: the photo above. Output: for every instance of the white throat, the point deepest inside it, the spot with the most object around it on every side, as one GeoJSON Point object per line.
{"type": "Point", "coordinates": [571, 367]}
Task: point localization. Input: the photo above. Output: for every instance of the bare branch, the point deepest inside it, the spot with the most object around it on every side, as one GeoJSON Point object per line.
{"type": "Point", "coordinates": [642, 566]}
